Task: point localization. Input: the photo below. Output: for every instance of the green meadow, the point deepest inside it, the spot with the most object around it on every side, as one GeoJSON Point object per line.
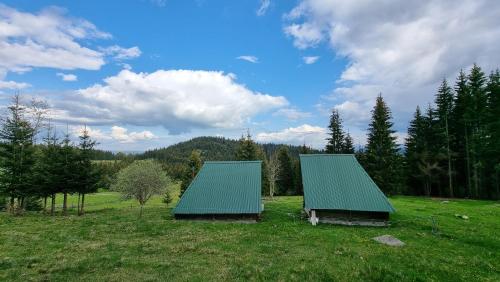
{"type": "Point", "coordinates": [111, 243]}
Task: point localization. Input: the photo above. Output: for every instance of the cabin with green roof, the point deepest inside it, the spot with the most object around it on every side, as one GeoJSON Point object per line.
{"type": "Point", "coordinates": [223, 190]}
{"type": "Point", "coordinates": [338, 189]}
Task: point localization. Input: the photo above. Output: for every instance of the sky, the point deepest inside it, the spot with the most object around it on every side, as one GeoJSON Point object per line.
{"type": "Point", "coordinates": [144, 74]}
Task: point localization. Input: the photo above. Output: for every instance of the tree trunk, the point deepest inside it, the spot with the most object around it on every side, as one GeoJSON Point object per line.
{"type": "Point", "coordinates": [82, 211]}
{"type": "Point", "coordinates": [450, 183]}
{"type": "Point", "coordinates": [467, 160]}
{"type": "Point", "coordinates": [140, 213]}
{"type": "Point", "coordinates": [12, 203]}
{"type": "Point", "coordinates": [78, 205]}
{"type": "Point", "coordinates": [65, 204]}
{"type": "Point", "coordinates": [45, 204]}
{"type": "Point", "coordinates": [53, 204]}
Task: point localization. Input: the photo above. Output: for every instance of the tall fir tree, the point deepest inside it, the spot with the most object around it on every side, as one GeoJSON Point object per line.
{"type": "Point", "coordinates": [285, 182]}
{"type": "Point", "coordinates": [191, 170]}
{"type": "Point", "coordinates": [479, 116]}
{"type": "Point", "coordinates": [414, 148]}
{"type": "Point", "coordinates": [17, 155]}
{"type": "Point", "coordinates": [348, 145]}
{"type": "Point", "coordinates": [444, 103]}
{"type": "Point", "coordinates": [87, 177]}
{"type": "Point", "coordinates": [493, 152]}
{"type": "Point", "coordinates": [335, 140]}
{"type": "Point", "coordinates": [382, 161]}
{"type": "Point", "coordinates": [247, 150]}
{"type": "Point", "coordinates": [460, 129]}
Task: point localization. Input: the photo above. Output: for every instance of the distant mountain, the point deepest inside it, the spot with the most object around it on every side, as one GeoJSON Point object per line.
{"type": "Point", "coordinates": [212, 149]}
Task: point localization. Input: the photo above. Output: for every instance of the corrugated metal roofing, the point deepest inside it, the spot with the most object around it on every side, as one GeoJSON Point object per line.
{"type": "Point", "coordinates": [339, 182]}
{"type": "Point", "coordinates": [224, 188]}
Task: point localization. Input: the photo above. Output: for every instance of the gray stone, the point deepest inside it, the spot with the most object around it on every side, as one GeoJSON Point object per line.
{"type": "Point", "coordinates": [389, 240]}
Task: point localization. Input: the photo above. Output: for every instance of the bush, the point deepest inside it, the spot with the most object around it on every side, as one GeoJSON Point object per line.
{"type": "Point", "coordinates": [3, 203]}
{"type": "Point", "coordinates": [167, 199]}
{"type": "Point", "coordinates": [33, 204]}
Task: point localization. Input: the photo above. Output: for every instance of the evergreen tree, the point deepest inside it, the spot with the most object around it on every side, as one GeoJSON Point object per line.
{"type": "Point", "coordinates": [479, 116]}
{"type": "Point", "coordinates": [429, 160]}
{"type": "Point", "coordinates": [460, 129]}
{"type": "Point", "coordinates": [493, 152]}
{"type": "Point", "coordinates": [17, 155]}
{"type": "Point", "coordinates": [285, 176]}
{"type": "Point", "coordinates": [381, 150]}
{"type": "Point", "coordinates": [247, 149]}
{"type": "Point", "coordinates": [335, 144]}
{"type": "Point", "coordinates": [68, 160]}
{"type": "Point", "coordinates": [191, 170]}
{"type": "Point", "coordinates": [348, 145]}
{"type": "Point", "coordinates": [87, 177]}
{"type": "Point", "coordinates": [444, 103]}
{"type": "Point", "coordinates": [414, 148]}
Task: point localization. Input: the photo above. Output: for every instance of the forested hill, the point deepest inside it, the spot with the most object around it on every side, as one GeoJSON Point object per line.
{"type": "Point", "coordinates": [212, 149]}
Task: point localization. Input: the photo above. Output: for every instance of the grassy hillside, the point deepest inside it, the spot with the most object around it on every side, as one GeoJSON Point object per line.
{"type": "Point", "coordinates": [111, 243]}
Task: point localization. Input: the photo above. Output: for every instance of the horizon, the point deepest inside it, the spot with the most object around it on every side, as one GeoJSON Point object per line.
{"type": "Point", "coordinates": [162, 72]}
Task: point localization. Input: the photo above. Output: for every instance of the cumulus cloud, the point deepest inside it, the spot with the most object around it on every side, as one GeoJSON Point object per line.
{"type": "Point", "coordinates": [292, 114]}
{"type": "Point", "coordinates": [52, 39]}
{"type": "Point", "coordinates": [400, 48]}
{"type": "Point", "coordinates": [13, 85]}
{"type": "Point", "coordinates": [120, 53]}
{"type": "Point", "coordinates": [251, 59]}
{"type": "Point", "coordinates": [178, 100]}
{"type": "Point", "coordinates": [264, 6]}
{"type": "Point", "coordinates": [310, 135]}
{"type": "Point", "coordinates": [67, 76]}
{"type": "Point", "coordinates": [121, 134]}
{"type": "Point", "coordinates": [310, 59]}
{"type": "Point", "coordinates": [95, 134]}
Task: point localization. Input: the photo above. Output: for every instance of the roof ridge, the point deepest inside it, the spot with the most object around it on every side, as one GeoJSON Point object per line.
{"type": "Point", "coordinates": [230, 162]}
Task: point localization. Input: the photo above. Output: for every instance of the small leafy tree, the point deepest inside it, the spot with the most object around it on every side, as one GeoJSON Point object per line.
{"type": "Point", "coordinates": [141, 180]}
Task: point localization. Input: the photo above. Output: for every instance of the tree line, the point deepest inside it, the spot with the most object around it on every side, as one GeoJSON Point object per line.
{"type": "Point", "coordinates": [30, 171]}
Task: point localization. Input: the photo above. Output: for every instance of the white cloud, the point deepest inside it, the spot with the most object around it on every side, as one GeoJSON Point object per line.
{"type": "Point", "coordinates": [67, 76]}
{"type": "Point", "coordinates": [95, 134]}
{"type": "Point", "coordinates": [159, 3]}
{"type": "Point", "coordinates": [178, 100]}
{"type": "Point", "coordinates": [52, 39]}
{"type": "Point", "coordinates": [400, 48]}
{"type": "Point", "coordinates": [264, 6]}
{"type": "Point", "coordinates": [310, 135]}
{"type": "Point", "coordinates": [251, 59]}
{"type": "Point", "coordinates": [305, 35]}
{"type": "Point", "coordinates": [13, 85]}
{"type": "Point", "coordinates": [292, 114]}
{"type": "Point", "coordinates": [310, 59]}
{"type": "Point", "coordinates": [120, 134]}
{"type": "Point", "coordinates": [120, 53]}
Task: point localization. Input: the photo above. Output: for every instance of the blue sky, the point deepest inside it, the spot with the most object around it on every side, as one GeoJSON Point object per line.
{"type": "Point", "coordinates": [145, 74]}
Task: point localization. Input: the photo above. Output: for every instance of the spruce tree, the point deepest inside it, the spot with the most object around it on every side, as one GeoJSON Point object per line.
{"type": "Point", "coordinates": [444, 102]}
{"type": "Point", "coordinates": [479, 116]}
{"type": "Point", "coordinates": [285, 182]}
{"type": "Point", "coordinates": [87, 177]}
{"type": "Point", "coordinates": [247, 149]}
{"type": "Point", "coordinates": [191, 170]}
{"type": "Point", "coordinates": [17, 155]}
{"type": "Point", "coordinates": [493, 152]}
{"type": "Point", "coordinates": [414, 147]}
{"type": "Point", "coordinates": [381, 150]}
{"type": "Point", "coordinates": [335, 144]}
{"type": "Point", "coordinates": [460, 129]}
{"type": "Point", "coordinates": [348, 145]}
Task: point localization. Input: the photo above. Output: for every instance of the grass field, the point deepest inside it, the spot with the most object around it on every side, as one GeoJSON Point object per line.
{"type": "Point", "coordinates": [111, 243]}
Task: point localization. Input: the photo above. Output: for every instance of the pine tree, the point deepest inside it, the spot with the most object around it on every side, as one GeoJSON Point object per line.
{"type": "Point", "coordinates": [285, 175]}
{"type": "Point", "coordinates": [335, 144]}
{"type": "Point", "coordinates": [460, 129]}
{"type": "Point", "coordinates": [444, 103]}
{"type": "Point", "coordinates": [247, 149]}
{"type": "Point", "coordinates": [381, 150]}
{"type": "Point", "coordinates": [17, 155]}
{"type": "Point", "coordinates": [493, 152]}
{"type": "Point", "coordinates": [87, 174]}
{"type": "Point", "coordinates": [479, 116]}
{"type": "Point", "coordinates": [414, 147]}
{"type": "Point", "coordinates": [430, 159]}
{"type": "Point", "coordinates": [348, 144]}
{"type": "Point", "coordinates": [68, 160]}
{"type": "Point", "coordinates": [191, 170]}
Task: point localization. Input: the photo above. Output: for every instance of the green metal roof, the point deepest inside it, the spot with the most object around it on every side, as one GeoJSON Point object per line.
{"type": "Point", "coordinates": [224, 188]}
{"type": "Point", "coordinates": [339, 182]}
